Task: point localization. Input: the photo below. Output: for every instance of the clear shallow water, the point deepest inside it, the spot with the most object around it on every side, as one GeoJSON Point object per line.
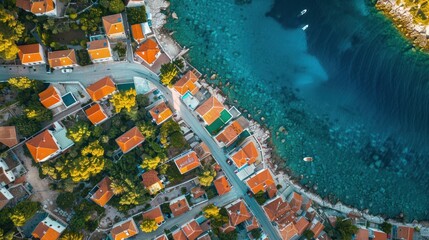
{"type": "Point", "coordinates": [349, 92]}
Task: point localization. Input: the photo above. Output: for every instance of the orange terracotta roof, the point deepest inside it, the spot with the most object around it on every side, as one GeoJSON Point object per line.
{"type": "Point", "coordinates": [104, 192]}
{"type": "Point", "coordinates": [179, 206]}
{"type": "Point", "coordinates": [238, 213]}
{"type": "Point", "coordinates": [62, 58]}
{"type": "Point", "coordinates": [148, 51]}
{"type": "Point", "coordinates": [230, 133]}
{"type": "Point", "coordinates": [405, 232]}
{"type": "Point", "coordinates": [44, 232]}
{"type": "Point", "coordinates": [24, 4]}
{"type": "Point", "coordinates": [246, 155]}
{"type": "Point", "coordinates": [222, 185]}
{"type": "Point", "coordinates": [96, 114]}
{"type": "Point", "coordinates": [306, 204]}
{"type": "Point", "coordinates": [362, 234]}
{"type": "Point", "coordinates": [101, 88]}
{"type": "Point", "coordinates": [204, 237]}
{"type": "Point", "coordinates": [130, 139]}
{"type": "Point", "coordinates": [124, 230]}
{"type": "Point", "coordinates": [30, 53]}
{"type": "Point", "coordinates": [187, 83]}
{"type": "Point", "coordinates": [379, 235]}
{"type": "Point", "coordinates": [137, 31]}
{"type": "Point", "coordinates": [8, 135]}
{"type": "Point", "coordinates": [154, 214]}
{"type": "Point", "coordinates": [42, 145]}
{"type": "Point", "coordinates": [251, 224]}
{"type": "Point", "coordinates": [296, 201]}
{"type": "Point", "coordinates": [162, 237]}
{"type": "Point", "coordinates": [317, 228]}
{"type": "Point", "coordinates": [262, 181]}
{"type": "Point", "coordinates": [210, 110]}
{"type": "Point", "coordinates": [197, 192]}
{"type": "Point", "coordinates": [276, 209]}
{"type": "Point", "coordinates": [49, 97]}
{"type": "Point", "coordinates": [150, 178]}
{"type": "Point", "coordinates": [36, 6]}
{"type": "Point", "coordinates": [192, 230]}
{"type": "Point", "coordinates": [187, 162]}
{"type": "Point", "coordinates": [113, 24]}
{"type": "Point", "coordinates": [99, 49]}
{"type": "Point", "coordinates": [228, 227]}
{"type": "Point", "coordinates": [288, 232]}
{"type": "Point", "coordinates": [301, 225]}
{"type": "Point", "coordinates": [179, 235]}
{"type": "Point", "coordinates": [160, 113]}
{"type": "Point", "coordinates": [202, 150]}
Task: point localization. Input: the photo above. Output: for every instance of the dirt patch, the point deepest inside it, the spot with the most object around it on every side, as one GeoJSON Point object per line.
{"type": "Point", "coordinates": [68, 37]}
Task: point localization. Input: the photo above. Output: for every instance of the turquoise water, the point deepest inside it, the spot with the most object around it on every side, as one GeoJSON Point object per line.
{"type": "Point", "coordinates": [349, 91]}
{"type": "Point", "coordinates": [68, 99]}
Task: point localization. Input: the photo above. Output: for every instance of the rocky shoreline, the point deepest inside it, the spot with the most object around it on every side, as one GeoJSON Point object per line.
{"type": "Point", "coordinates": [270, 158]}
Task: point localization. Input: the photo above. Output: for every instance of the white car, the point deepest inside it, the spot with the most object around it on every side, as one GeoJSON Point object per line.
{"type": "Point", "coordinates": [67, 70]}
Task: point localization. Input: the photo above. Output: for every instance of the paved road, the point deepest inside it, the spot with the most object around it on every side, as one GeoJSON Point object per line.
{"type": "Point", "coordinates": [124, 72]}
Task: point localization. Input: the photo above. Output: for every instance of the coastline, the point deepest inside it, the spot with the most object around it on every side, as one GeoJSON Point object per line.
{"type": "Point", "coordinates": [262, 133]}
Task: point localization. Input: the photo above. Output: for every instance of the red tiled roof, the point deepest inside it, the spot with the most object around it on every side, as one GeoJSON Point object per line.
{"type": "Point", "coordinates": [62, 58]}
{"type": "Point", "coordinates": [230, 133]}
{"type": "Point", "coordinates": [238, 213]}
{"type": "Point", "coordinates": [187, 83]}
{"type": "Point", "coordinates": [99, 49]}
{"type": "Point", "coordinates": [210, 110]}
{"type": "Point", "coordinates": [154, 214]}
{"type": "Point", "coordinates": [162, 237]}
{"type": "Point", "coordinates": [202, 150]}
{"type": "Point", "coordinates": [405, 232]}
{"type": "Point", "coordinates": [160, 113]}
{"type": "Point", "coordinates": [197, 192]}
{"type": "Point", "coordinates": [288, 231]}
{"type": "Point", "coordinates": [96, 114]}
{"type": "Point", "coordinates": [179, 206]}
{"type": "Point", "coordinates": [277, 209]}
{"type": "Point", "coordinates": [148, 51]}
{"type": "Point", "coordinates": [296, 201]}
{"type": "Point", "coordinates": [222, 185]}
{"type": "Point", "coordinates": [251, 224]}
{"type": "Point", "coordinates": [44, 232]}
{"type": "Point", "coordinates": [130, 139]}
{"type": "Point", "coordinates": [30, 53]}
{"type": "Point", "coordinates": [49, 97]}
{"type": "Point", "coordinates": [317, 228]}
{"type": "Point", "coordinates": [42, 145]}
{"type": "Point", "coordinates": [137, 32]}
{"type": "Point", "coordinates": [362, 234]}
{"type": "Point", "coordinates": [179, 235]}
{"type": "Point", "coordinates": [301, 225]}
{"type": "Point", "coordinates": [124, 230]}
{"type": "Point", "coordinates": [192, 230]}
{"type": "Point", "coordinates": [8, 135]}
{"type": "Point", "coordinates": [104, 192]}
{"type": "Point", "coordinates": [101, 88]}
{"type": "Point", "coordinates": [262, 181]}
{"type": "Point", "coordinates": [113, 24]}
{"type": "Point", "coordinates": [187, 162]}
{"type": "Point", "coordinates": [246, 155]}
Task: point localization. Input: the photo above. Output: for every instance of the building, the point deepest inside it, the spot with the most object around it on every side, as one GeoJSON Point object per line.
{"type": "Point", "coordinates": [375, 234]}
{"type": "Point", "coordinates": [295, 201]}
{"type": "Point", "coordinates": [202, 150]}
{"type": "Point", "coordinates": [403, 232]}
{"type": "Point", "coordinates": [50, 97]}
{"type": "Point", "coordinates": [154, 214]}
{"type": "Point", "coordinates": [192, 230]}
{"type": "Point", "coordinates": [161, 113]}
{"type": "Point", "coordinates": [229, 134]}
{"type": "Point", "coordinates": [317, 228]}
{"type": "Point", "coordinates": [8, 136]}
{"type": "Point", "coordinates": [197, 192]}
{"type": "Point", "coordinates": [179, 206]}
{"type": "Point", "coordinates": [137, 32]}
{"type": "Point", "coordinates": [288, 231]}
{"type": "Point", "coordinates": [178, 234]}
{"type": "Point", "coordinates": [48, 229]}
{"type": "Point", "coordinates": [96, 114]}
{"type": "Point", "coordinates": [99, 51]}
{"type": "Point", "coordinates": [129, 140]}
{"type": "Point", "coordinates": [187, 84]}
{"type": "Point", "coordinates": [114, 26]}
{"type": "Point", "coordinates": [237, 212]}
{"type": "Point", "coordinates": [210, 110]}
{"type": "Point", "coordinates": [38, 7]}
{"type": "Point", "coordinates": [162, 237]}
{"type": "Point", "coordinates": [101, 89]}
{"type": "Point", "coordinates": [151, 181]}
{"type": "Point", "coordinates": [6, 176]}
{"type": "Point", "coordinates": [134, 3]}
{"type": "Point", "coordinates": [187, 162]}
{"type": "Point", "coordinates": [32, 54]}
{"type": "Point", "coordinates": [301, 225]}
{"type": "Point", "coordinates": [43, 146]}
{"type": "Point", "coordinates": [222, 185]}
{"type": "Point", "coordinates": [279, 211]}
{"type": "Point", "coordinates": [148, 51]}
{"type": "Point", "coordinates": [103, 193]}
{"type": "Point", "coordinates": [262, 181]}
{"type": "Point", "coordinates": [5, 197]}
{"type": "Point", "coordinates": [124, 230]}
{"type": "Point", "coordinates": [62, 59]}
{"type": "Point", "coordinates": [362, 234]}
{"type": "Point", "coordinates": [245, 155]}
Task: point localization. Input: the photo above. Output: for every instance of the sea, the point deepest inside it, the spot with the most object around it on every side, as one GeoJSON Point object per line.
{"type": "Point", "coordinates": [348, 91]}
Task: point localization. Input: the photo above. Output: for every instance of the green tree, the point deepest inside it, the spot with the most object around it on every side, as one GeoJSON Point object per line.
{"type": "Point", "coordinates": [11, 30]}
{"type": "Point", "coordinates": [228, 236]}
{"type": "Point", "coordinates": [256, 234]}
{"type": "Point", "coordinates": [308, 234]}
{"type": "Point", "coordinates": [65, 200]}
{"type": "Point", "coordinates": [25, 126]}
{"type": "Point", "coordinates": [79, 132]}
{"type": "Point", "coordinates": [148, 225]}
{"type": "Point", "coordinates": [151, 163]}
{"type": "Point", "coordinates": [211, 211]}
{"type": "Point", "coordinates": [147, 129]}
{"type": "Point", "coordinates": [386, 227]}
{"type": "Point", "coordinates": [72, 236]}
{"type": "Point", "coordinates": [23, 211]}
{"type": "Point", "coordinates": [168, 74]}
{"type": "Point", "coordinates": [345, 228]}
{"type": "Point", "coordinates": [136, 15]}
{"type": "Point", "coordinates": [84, 167]}
{"type": "Point", "coordinates": [206, 177]}
{"type": "Point", "coordinates": [260, 197]}
{"type": "Point", "coordinates": [114, 6]}
{"type": "Point", "coordinates": [36, 111]}
{"type": "Point", "coordinates": [6, 236]}
{"type": "Point", "coordinates": [21, 83]}
{"type": "Point", "coordinates": [177, 140]}
{"type": "Point", "coordinates": [168, 128]}
{"type": "Point", "coordinates": [124, 100]}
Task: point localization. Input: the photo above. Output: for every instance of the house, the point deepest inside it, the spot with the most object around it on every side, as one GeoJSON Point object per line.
{"type": "Point", "coordinates": [205, 236]}
{"type": "Point", "coordinates": [5, 197]}
{"type": "Point", "coordinates": [50, 97]}
{"type": "Point", "coordinates": [103, 193]}
{"type": "Point", "coordinates": [317, 227]}
{"type": "Point", "coordinates": [179, 206]}
{"type": "Point", "coordinates": [192, 230]}
{"type": "Point", "coordinates": [48, 229]}
{"type": "Point", "coordinates": [124, 230]}
{"type": "Point", "coordinates": [210, 110]}
{"type": "Point", "coordinates": [99, 51]}
{"type": "Point", "coordinates": [245, 155]}
{"type": "Point", "coordinates": [96, 114]}
{"type": "Point", "coordinates": [277, 210]}
{"type": "Point", "coordinates": [197, 192]}
{"type": "Point", "coordinates": [154, 214]}
{"type": "Point", "coordinates": [179, 235]}
{"type": "Point", "coordinates": [229, 134]}
{"type": "Point", "coordinates": [137, 32]}
{"type": "Point", "coordinates": [251, 223]}
{"type": "Point", "coordinates": [222, 185]}
{"type": "Point", "coordinates": [301, 225]}
{"type": "Point", "coordinates": [114, 26]}
{"type": "Point", "coordinates": [162, 237]}
{"type": "Point", "coordinates": [237, 212]}
{"type": "Point", "coordinates": [295, 201]}
{"type": "Point", "coordinates": [161, 113]}
{"type": "Point", "coordinates": [148, 51]}
{"type": "Point", "coordinates": [262, 181]}
{"type": "Point", "coordinates": [202, 150]}
{"type": "Point", "coordinates": [38, 7]}
{"type": "Point", "coordinates": [187, 162]}
{"type": "Point", "coordinates": [43, 146]}
{"type": "Point", "coordinates": [101, 89]}
{"type": "Point", "coordinates": [129, 140]}
{"type": "Point", "coordinates": [151, 182]}
{"type": "Point", "coordinates": [288, 231]}
{"type": "Point", "coordinates": [403, 232]}
{"type": "Point", "coordinates": [62, 59]}
{"type": "Point", "coordinates": [32, 54]}
{"type": "Point", "coordinates": [6, 176]}
{"type": "Point", "coordinates": [362, 234]}
{"type": "Point", "coordinates": [8, 136]}
{"type": "Point", "coordinates": [134, 3]}
{"type": "Point", "coordinates": [187, 84]}
{"type": "Point", "coordinates": [376, 234]}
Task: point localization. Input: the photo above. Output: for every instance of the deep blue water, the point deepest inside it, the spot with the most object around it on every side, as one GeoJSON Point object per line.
{"type": "Point", "coordinates": [349, 91]}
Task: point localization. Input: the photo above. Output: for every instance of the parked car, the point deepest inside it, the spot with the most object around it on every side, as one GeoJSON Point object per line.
{"type": "Point", "coordinates": [48, 69]}
{"type": "Point", "coordinates": [67, 70]}
{"type": "Point", "coordinates": [229, 161]}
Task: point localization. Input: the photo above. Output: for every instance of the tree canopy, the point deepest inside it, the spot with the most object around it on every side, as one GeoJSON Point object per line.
{"type": "Point", "coordinates": [71, 236]}
{"type": "Point", "coordinates": [79, 132]}
{"type": "Point", "coordinates": [114, 6]}
{"type": "Point", "coordinates": [148, 225]}
{"type": "Point", "coordinates": [11, 30]}
{"type": "Point", "coordinates": [136, 15]}
{"type": "Point", "coordinates": [36, 111]}
{"type": "Point", "coordinates": [21, 83]}
{"type": "Point", "coordinates": [23, 211]}
{"type": "Point", "coordinates": [168, 74]}
{"type": "Point", "coordinates": [345, 228]}
{"type": "Point", "coordinates": [150, 163]}
{"type": "Point", "coordinates": [124, 100]}
{"type": "Point", "coordinates": [206, 177]}
{"type": "Point", "coordinates": [211, 211]}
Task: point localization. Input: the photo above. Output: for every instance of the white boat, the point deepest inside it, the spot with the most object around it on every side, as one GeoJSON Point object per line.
{"type": "Point", "coordinates": [305, 27]}
{"type": "Point", "coordinates": [302, 12]}
{"type": "Point", "coordinates": [308, 159]}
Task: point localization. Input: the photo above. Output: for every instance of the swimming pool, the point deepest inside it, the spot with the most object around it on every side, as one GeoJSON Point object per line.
{"type": "Point", "coordinates": [69, 99]}
{"type": "Point", "coordinates": [190, 101]}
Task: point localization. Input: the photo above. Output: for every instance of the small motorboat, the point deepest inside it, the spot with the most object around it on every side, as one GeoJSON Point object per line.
{"type": "Point", "coordinates": [304, 11]}
{"type": "Point", "coordinates": [305, 27]}
{"type": "Point", "coordinates": [308, 159]}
